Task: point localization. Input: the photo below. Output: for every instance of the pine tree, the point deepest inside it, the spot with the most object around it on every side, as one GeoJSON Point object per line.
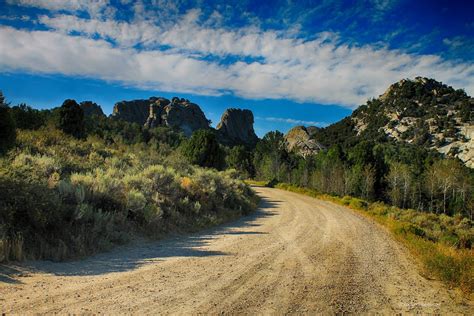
{"type": "Point", "coordinates": [71, 119]}
{"type": "Point", "coordinates": [7, 126]}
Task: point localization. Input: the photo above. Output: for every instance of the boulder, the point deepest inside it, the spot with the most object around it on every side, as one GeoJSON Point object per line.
{"type": "Point", "coordinates": [236, 128]}
{"type": "Point", "coordinates": [91, 109]}
{"type": "Point", "coordinates": [299, 139]}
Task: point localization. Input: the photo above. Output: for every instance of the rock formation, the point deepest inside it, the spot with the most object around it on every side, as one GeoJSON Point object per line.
{"type": "Point", "coordinates": [183, 114]}
{"type": "Point", "coordinates": [153, 112]}
{"type": "Point", "coordinates": [236, 128]}
{"type": "Point", "coordinates": [299, 139]}
{"type": "Point", "coordinates": [91, 108]}
{"type": "Point", "coordinates": [135, 111]}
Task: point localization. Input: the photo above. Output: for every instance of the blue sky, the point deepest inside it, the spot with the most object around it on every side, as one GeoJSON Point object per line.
{"type": "Point", "coordinates": [290, 62]}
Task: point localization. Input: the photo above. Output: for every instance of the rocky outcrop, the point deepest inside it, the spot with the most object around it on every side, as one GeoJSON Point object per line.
{"type": "Point", "coordinates": [135, 111]}
{"type": "Point", "coordinates": [299, 139]}
{"type": "Point", "coordinates": [236, 128]}
{"type": "Point", "coordinates": [91, 109]}
{"type": "Point", "coordinates": [183, 114]}
{"type": "Point", "coordinates": [155, 111]}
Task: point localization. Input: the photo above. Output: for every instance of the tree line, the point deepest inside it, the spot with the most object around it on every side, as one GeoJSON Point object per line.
{"type": "Point", "coordinates": [404, 175]}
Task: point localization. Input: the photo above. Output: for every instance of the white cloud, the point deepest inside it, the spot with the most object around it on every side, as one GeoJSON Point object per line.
{"type": "Point", "coordinates": [49, 52]}
{"type": "Point", "coordinates": [125, 34]}
{"type": "Point", "coordinates": [322, 70]}
{"type": "Point", "coordinates": [93, 7]}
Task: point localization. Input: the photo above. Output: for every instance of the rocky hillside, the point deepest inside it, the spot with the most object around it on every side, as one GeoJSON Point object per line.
{"type": "Point", "coordinates": [236, 128]}
{"type": "Point", "coordinates": [423, 112]}
{"type": "Point", "coordinates": [301, 140]}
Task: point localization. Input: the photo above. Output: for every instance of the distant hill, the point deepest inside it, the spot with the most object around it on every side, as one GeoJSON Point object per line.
{"type": "Point", "coordinates": [423, 112]}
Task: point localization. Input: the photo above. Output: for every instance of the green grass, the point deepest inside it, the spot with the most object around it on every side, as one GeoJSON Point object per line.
{"type": "Point", "coordinates": [442, 244]}
{"type": "Point", "coordinates": [256, 183]}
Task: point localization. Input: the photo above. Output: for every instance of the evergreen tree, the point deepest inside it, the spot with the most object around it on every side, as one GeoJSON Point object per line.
{"type": "Point", "coordinates": [7, 126]}
{"type": "Point", "coordinates": [240, 159]}
{"type": "Point", "coordinates": [203, 149]}
{"type": "Point", "coordinates": [26, 117]}
{"type": "Point", "coordinates": [71, 119]}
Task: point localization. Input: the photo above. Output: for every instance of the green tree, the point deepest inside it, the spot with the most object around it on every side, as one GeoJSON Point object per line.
{"type": "Point", "coordinates": [270, 155]}
{"type": "Point", "coordinates": [240, 159]}
{"type": "Point", "coordinates": [203, 149]}
{"type": "Point", "coordinates": [71, 119]}
{"type": "Point", "coordinates": [443, 177]}
{"type": "Point", "coordinates": [7, 126]}
{"type": "Point", "coordinates": [400, 180]}
{"type": "Point", "coordinates": [26, 117]}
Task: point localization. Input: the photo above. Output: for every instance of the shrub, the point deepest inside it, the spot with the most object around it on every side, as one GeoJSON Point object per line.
{"type": "Point", "coordinates": [358, 204]}
{"type": "Point", "coordinates": [62, 197]}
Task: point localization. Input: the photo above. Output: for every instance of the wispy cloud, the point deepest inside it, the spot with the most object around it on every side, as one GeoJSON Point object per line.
{"type": "Point", "coordinates": [291, 121]}
{"type": "Point", "coordinates": [192, 56]}
{"type": "Point", "coordinates": [459, 46]}
{"type": "Point", "coordinates": [93, 7]}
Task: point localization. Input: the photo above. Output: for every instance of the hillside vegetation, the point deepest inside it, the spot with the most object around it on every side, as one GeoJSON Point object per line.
{"type": "Point", "coordinates": [70, 187]}
{"type": "Point", "coordinates": [406, 180]}
{"type": "Point", "coordinates": [422, 112]}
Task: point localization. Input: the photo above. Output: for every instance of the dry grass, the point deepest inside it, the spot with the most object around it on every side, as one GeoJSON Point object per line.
{"type": "Point", "coordinates": [256, 183]}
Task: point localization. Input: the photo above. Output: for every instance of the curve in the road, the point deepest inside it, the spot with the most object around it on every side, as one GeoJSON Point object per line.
{"type": "Point", "coordinates": [296, 254]}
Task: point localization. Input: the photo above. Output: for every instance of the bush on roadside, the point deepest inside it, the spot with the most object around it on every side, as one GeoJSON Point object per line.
{"type": "Point", "coordinates": [62, 197]}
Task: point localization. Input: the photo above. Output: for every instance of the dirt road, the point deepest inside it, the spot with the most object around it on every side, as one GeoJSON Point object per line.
{"type": "Point", "coordinates": [294, 255]}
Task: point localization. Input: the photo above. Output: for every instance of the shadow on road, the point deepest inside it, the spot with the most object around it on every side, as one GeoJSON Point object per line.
{"type": "Point", "coordinates": [8, 274]}
{"type": "Point", "coordinates": [145, 252]}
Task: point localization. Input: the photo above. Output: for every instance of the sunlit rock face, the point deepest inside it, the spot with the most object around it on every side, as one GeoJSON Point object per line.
{"type": "Point", "coordinates": [185, 115]}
